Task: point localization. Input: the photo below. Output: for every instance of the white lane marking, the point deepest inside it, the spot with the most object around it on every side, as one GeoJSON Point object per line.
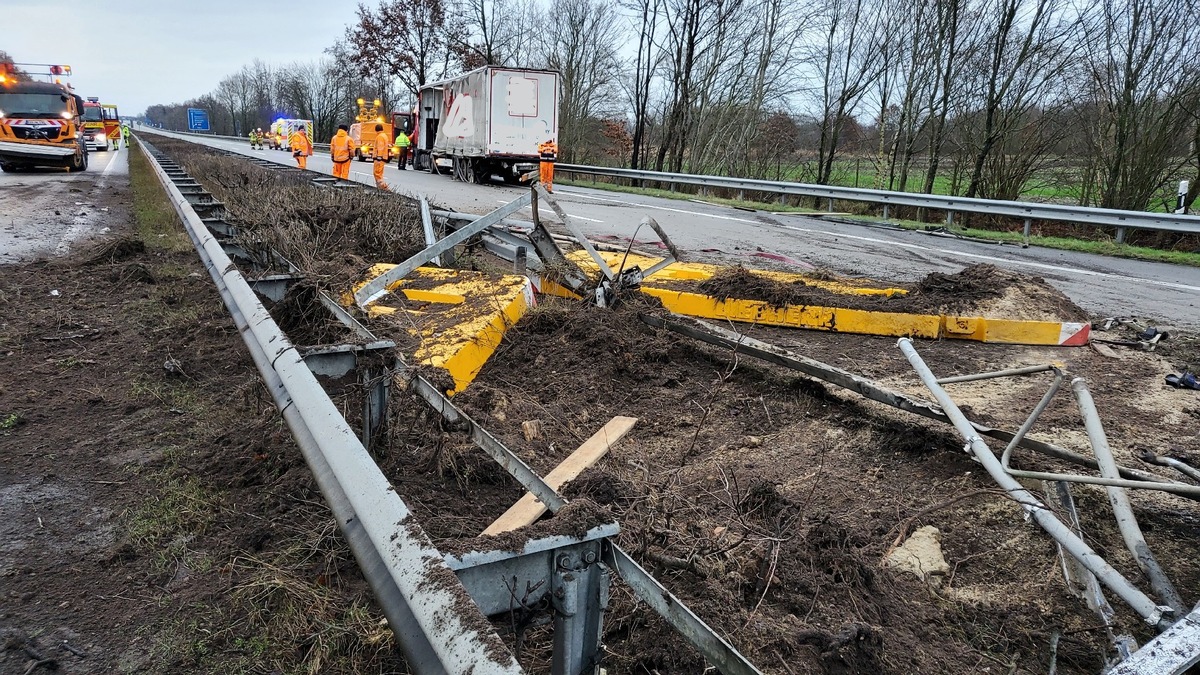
{"type": "Point", "coordinates": [660, 208]}
{"type": "Point", "coordinates": [112, 162]}
{"type": "Point", "coordinates": [541, 210]}
{"type": "Point", "coordinates": [1027, 263]}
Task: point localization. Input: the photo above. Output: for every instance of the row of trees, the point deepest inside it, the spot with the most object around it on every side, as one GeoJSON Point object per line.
{"type": "Point", "coordinates": [976, 97]}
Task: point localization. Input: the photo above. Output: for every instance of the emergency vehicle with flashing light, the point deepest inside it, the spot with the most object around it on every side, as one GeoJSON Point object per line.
{"type": "Point", "coordinates": [363, 130]}
{"type": "Point", "coordinates": [41, 123]}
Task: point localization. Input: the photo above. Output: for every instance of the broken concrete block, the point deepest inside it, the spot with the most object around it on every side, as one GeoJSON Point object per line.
{"type": "Point", "coordinates": [921, 555]}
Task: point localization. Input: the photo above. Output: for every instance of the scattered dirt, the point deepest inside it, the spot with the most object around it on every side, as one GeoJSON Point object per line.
{"type": "Point", "coordinates": [765, 501]}
{"type": "Point", "coordinates": [574, 520]}
{"type": "Point", "coordinates": [156, 520]}
{"type": "Point", "coordinates": [768, 502]}
{"type": "Point", "coordinates": [981, 290]}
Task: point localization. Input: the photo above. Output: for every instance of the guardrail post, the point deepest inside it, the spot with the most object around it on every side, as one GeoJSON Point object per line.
{"type": "Point", "coordinates": [831, 204]}
{"type": "Point", "coordinates": [1120, 235]}
{"type": "Point", "coordinates": [949, 219]}
{"type": "Point", "coordinates": [885, 211]}
{"type": "Point", "coordinates": [1026, 231]}
{"type": "Point", "coordinates": [741, 195]}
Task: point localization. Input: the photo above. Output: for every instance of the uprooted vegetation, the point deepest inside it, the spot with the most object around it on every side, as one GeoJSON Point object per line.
{"type": "Point", "coordinates": [332, 235]}
{"type": "Point", "coordinates": [768, 501]}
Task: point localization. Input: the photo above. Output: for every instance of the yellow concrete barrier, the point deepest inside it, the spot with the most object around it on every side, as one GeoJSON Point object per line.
{"type": "Point", "coordinates": [677, 287]}
{"type": "Point", "coordinates": [459, 317]}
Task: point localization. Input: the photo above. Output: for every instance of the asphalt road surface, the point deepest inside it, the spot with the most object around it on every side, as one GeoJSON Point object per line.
{"type": "Point", "coordinates": [1167, 294]}
{"type": "Point", "coordinates": [47, 210]}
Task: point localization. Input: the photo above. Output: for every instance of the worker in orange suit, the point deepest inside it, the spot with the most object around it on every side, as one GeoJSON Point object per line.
{"type": "Point", "coordinates": [341, 151]}
{"type": "Point", "coordinates": [301, 146]}
{"type": "Point", "coordinates": [383, 146]}
{"type": "Point", "coordinates": [549, 152]}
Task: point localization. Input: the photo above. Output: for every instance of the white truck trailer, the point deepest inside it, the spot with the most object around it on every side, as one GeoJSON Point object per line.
{"type": "Point", "coordinates": [486, 123]}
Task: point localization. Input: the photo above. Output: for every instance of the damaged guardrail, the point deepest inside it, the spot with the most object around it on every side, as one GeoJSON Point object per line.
{"type": "Point", "coordinates": [577, 569]}
{"type": "Point", "coordinates": [436, 624]}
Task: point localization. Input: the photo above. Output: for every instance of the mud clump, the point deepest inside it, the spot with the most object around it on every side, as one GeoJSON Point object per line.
{"type": "Point", "coordinates": [739, 282]}
{"type": "Point", "coordinates": [302, 318]}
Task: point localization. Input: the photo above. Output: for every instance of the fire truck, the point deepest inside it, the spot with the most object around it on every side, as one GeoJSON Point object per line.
{"type": "Point", "coordinates": [94, 133]}
{"type": "Point", "coordinates": [363, 130]}
{"type": "Point", "coordinates": [41, 123]}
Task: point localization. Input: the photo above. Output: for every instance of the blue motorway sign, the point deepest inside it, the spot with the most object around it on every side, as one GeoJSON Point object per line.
{"type": "Point", "coordinates": [197, 119]}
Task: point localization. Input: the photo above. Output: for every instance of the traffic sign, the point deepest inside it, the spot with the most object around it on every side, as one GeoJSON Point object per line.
{"type": "Point", "coordinates": [197, 119]}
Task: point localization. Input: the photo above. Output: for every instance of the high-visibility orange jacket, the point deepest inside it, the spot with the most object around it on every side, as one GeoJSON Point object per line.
{"type": "Point", "coordinates": [299, 143]}
{"type": "Point", "coordinates": [341, 147]}
{"type": "Point", "coordinates": [383, 144]}
{"type": "Point", "coordinates": [548, 149]}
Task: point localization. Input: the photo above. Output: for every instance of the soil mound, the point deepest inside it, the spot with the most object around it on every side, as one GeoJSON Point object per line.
{"type": "Point", "coordinates": [979, 290]}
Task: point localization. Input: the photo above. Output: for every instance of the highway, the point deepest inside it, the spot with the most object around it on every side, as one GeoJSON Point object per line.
{"type": "Point", "coordinates": [47, 210]}
{"type": "Point", "coordinates": [1166, 294]}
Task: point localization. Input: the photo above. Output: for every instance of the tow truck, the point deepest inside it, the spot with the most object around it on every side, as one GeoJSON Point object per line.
{"type": "Point", "coordinates": [363, 130]}
{"type": "Point", "coordinates": [41, 123]}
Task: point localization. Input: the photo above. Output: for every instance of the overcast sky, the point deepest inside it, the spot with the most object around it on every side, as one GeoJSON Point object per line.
{"type": "Point", "coordinates": [136, 53]}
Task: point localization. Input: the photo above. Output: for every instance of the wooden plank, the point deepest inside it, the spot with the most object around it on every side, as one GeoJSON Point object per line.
{"type": "Point", "coordinates": [528, 509]}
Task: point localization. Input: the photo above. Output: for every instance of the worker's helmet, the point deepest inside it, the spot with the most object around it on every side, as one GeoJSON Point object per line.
{"type": "Point", "coordinates": [378, 127]}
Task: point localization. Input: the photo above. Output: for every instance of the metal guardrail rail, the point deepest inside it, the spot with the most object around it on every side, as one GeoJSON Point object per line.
{"type": "Point", "coordinates": [244, 139]}
{"type": "Point", "coordinates": [1028, 211]}
{"type": "Point", "coordinates": [1122, 220]}
{"type": "Point", "coordinates": [436, 624]}
{"type": "Point", "coordinates": [412, 607]}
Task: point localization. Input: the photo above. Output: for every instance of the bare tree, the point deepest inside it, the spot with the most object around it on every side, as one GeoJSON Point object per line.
{"type": "Point", "coordinates": [1141, 60]}
{"type": "Point", "coordinates": [581, 42]}
{"type": "Point", "coordinates": [646, 62]}
{"type": "Point", "coordinates": [403, 39]}
{"type": "Point", "coordinates": [1026, 45]}
{"type": "Point", "coordinates": [847, 65]}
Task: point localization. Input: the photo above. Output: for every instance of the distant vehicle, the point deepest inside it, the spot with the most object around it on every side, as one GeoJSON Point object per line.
{"type": "Point", "coordinates": [486, 123]}
{"type": "Point", "coordinates": [363, 130]}
{"type": "Point", "coordinates": [282, 130]}
{"type": "Point", "coordinates": [41, 123]}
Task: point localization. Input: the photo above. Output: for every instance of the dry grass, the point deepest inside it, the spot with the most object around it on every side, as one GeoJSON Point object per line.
{"type": "Point", "coordinates": [332, 235]}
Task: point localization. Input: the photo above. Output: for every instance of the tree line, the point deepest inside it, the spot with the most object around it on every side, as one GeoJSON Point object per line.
{"type": "Point", "coordinates": [1096, 102]}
